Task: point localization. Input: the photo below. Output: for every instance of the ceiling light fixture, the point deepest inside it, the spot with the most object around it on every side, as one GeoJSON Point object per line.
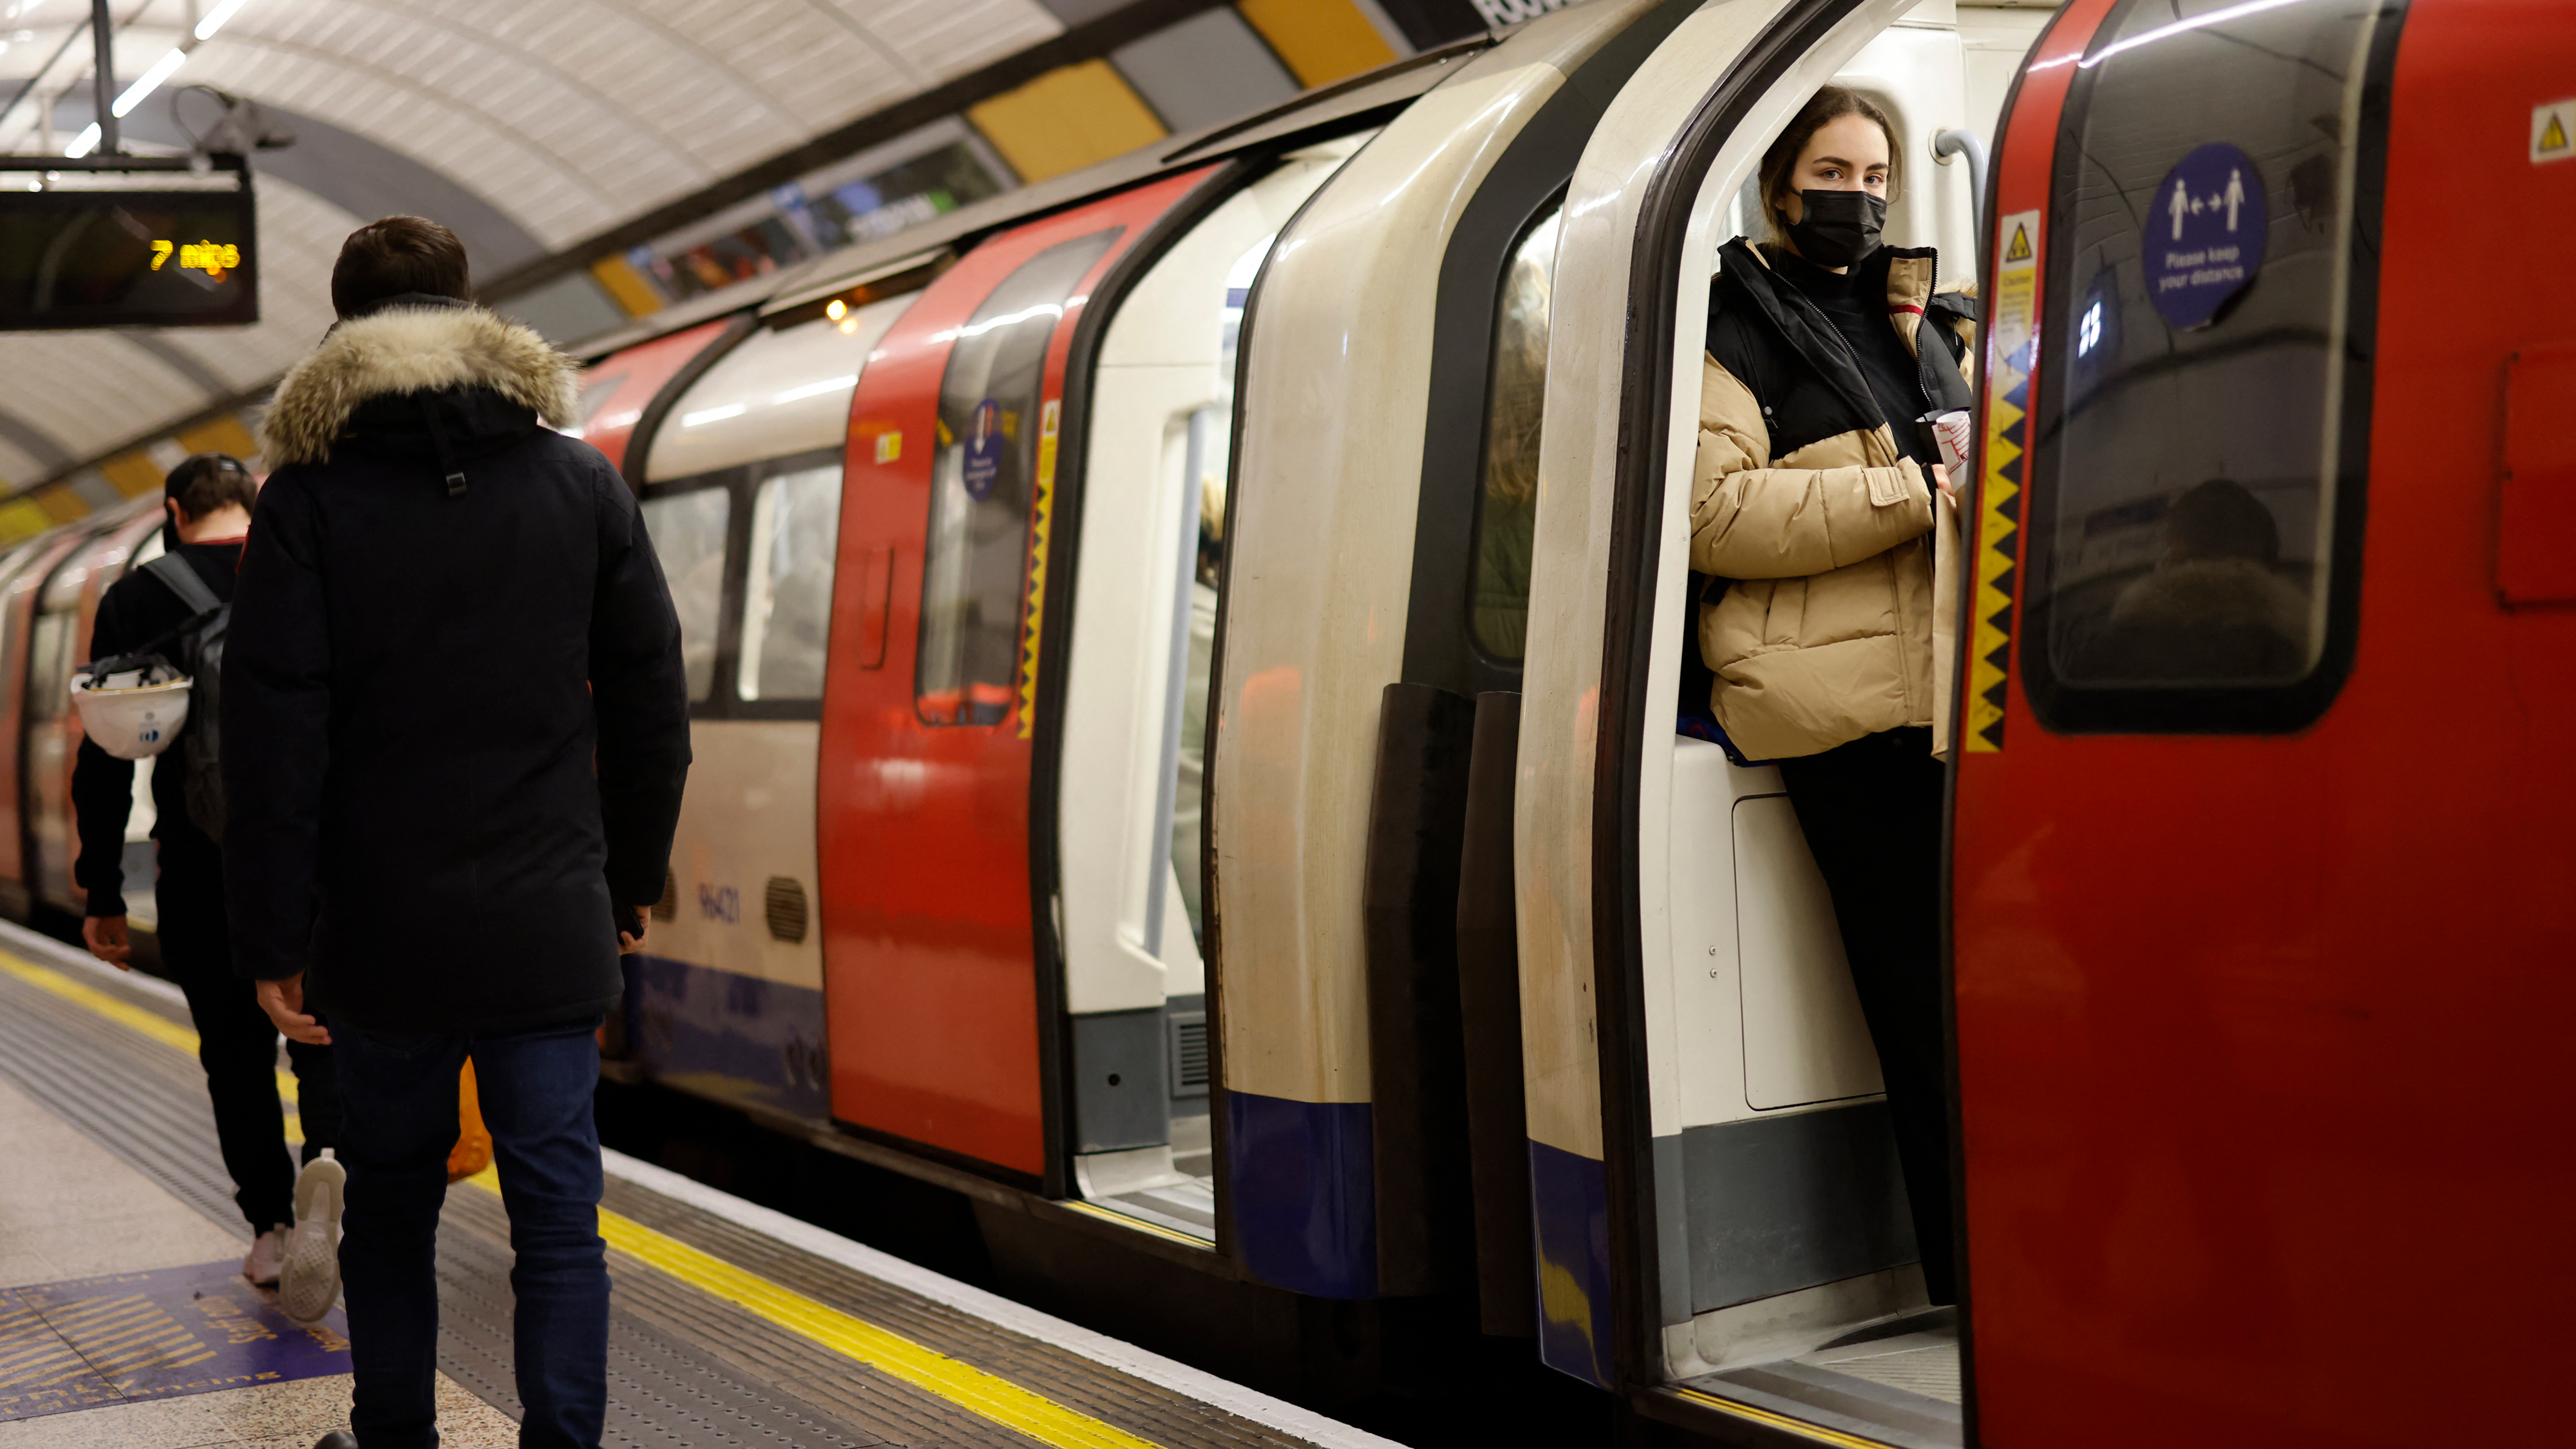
{"type": "Point", "coordinates": [161, 70]}
{"type": "Point", "coordinates": [216, 17]}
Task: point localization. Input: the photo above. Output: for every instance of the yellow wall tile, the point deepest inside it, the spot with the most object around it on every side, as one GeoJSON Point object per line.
{"type": "Point", "coordinates": [627, 286]}
{"type": "Point", "coordinates": [1065, 120]}
{"type": "Point", "coordinates": [60, 504]}
{"type": "Point", "coordinates": [1321, 40]}
{"type": "Point", "coordinates": [133, 474]}
{"type": "Point", "coordinates": [21, 519]}
{"type": "Point", "coordinates": [220, 435]}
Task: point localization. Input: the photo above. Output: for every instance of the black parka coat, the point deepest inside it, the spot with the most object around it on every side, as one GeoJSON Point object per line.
{"type": "Point", "coordinates": [455, 717]}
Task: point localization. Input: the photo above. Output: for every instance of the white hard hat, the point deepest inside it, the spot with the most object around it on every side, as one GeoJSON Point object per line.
{"type": "Point", "coordinates": [133, 712]}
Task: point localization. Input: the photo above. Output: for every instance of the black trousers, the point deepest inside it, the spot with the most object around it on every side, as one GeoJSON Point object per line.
{"type": "Point", "coordinates": [1871, 811]}
{"type": "Point", "coordinates": [237, 1044]}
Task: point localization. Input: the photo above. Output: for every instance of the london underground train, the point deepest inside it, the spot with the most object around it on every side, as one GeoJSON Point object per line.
{"type": "Point", "coordinates": [1185, 663]}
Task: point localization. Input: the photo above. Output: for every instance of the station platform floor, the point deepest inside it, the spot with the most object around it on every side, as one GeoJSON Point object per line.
{"type": "Point", "coordinates": [124, 1318]}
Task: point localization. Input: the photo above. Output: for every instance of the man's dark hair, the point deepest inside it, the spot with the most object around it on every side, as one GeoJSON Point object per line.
{"type": "Point", "coordinates": [2223, 519]}
{"type": "Point", "coordinates": [396, 255]}
{"type": "Point", "coordinates": [210, 482]}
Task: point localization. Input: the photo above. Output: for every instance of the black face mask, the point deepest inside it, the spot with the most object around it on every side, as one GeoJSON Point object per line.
{"type": "Point", "coordinates": [1838, 228]}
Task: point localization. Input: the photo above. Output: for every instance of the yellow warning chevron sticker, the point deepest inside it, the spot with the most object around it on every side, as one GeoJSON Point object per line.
{"type": "Point", "coordinates": [1041, 520]}
{"type": "Point", "coordinates": [2010, 361]}
{"type": "Point", "coordinates": [2553, 132]}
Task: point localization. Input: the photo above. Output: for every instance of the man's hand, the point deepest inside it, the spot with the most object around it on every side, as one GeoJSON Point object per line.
{"type": "Point", "coordinates": [284, 1003]}
{"type": "Point", "coordinates": [1941, 480]}
{"type": "Point", "coordinates": [107, 941]}
{"type": "Point", "coordinates": [628, 943]}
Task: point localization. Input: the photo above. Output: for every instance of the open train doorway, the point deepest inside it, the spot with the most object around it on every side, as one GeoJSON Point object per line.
{"type": "Point", "coordinates": [1719, 1211]}
{"type": "Point", "coordinates": [1129, 769]}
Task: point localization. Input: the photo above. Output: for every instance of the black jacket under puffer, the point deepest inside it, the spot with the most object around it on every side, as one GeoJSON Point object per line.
{"type": "Point", "coordinates": [446, 613]}
{"type": "Point", "coordinates": [1803, 500]}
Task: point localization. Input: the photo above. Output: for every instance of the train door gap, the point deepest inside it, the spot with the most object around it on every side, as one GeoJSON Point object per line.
{"type": "Point", "coordinates": [1160, 425]}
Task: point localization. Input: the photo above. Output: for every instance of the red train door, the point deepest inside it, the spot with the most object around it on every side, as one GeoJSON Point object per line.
{"type": "Point", "coordinates": [2261, 892]}
{"type": "Point", "coordinates": [937, 1015]}
{"type": "Point", "coordinates": [20, 708]}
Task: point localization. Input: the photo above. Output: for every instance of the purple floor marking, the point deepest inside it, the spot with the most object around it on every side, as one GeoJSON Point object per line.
{"type": "Point", "coordinates": [125, 1337]}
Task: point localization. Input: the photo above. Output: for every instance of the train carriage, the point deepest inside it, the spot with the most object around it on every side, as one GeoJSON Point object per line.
{"type": "Point", "coordinates": [1185, 661]}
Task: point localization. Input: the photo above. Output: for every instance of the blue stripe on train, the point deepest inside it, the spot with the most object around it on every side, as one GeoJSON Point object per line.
{"type": "Point", "coordinates": [1570, 1208]}
{"type": "Point", "coordinates": [736, 1037]}
{"type": "Point", "coordinates": [1303, 1187]}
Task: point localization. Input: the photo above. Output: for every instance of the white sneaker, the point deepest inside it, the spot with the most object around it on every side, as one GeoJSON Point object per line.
{"type": "Point", "coordinates": [310, 1282]}
{"type": "Point", "coordinates": [267, 1257]}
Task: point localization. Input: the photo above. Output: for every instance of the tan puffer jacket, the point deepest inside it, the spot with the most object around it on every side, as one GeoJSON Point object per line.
{"type": "Point", "coordinates": [1822, 629]}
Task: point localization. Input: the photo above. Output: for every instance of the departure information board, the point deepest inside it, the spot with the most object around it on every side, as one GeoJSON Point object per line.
{"type": "Point", "coordinates": [96, 258]}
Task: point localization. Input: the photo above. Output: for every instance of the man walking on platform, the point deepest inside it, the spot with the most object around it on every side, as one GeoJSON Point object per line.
{"type": "Point", "coordinates": [208, 499]}
{"type": "Point", "coordinates": [454, 677]}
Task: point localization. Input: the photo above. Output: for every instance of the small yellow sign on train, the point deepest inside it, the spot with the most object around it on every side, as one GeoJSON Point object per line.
{"type": "Point", "coordinates": [2553, 132]}
{"type": "Point", "coordinates": [212, 258]}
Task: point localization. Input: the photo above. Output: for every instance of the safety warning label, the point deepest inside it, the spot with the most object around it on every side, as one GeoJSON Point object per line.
{"type": "Point", "coordinates": [2553, 131]}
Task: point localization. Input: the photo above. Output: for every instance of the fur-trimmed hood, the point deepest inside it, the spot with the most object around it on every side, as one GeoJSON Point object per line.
{"type": "Point", "coordinates": [2211, 594]}
{"type": "Point", "coordinates": [413, 349]}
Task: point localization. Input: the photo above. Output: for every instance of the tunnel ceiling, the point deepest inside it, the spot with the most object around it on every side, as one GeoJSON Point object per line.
{"type": "Point", "coordinates": [528, 127]}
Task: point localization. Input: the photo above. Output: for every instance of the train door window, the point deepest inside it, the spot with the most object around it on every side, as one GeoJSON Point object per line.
{"type": "Point", "coordinates": [975, 570]}
{"type": "Point", "coordinates": [688, 531]}
{"type": "Point", "coordinates": [787, 600]}
{"type": "Point", "coordinates": [1507, 505]}
{"type": "Point", "coordinates": [10, 568]}
{"type": "Point", "coordinates": [49, 658]}
{"type": "Point", "coordinates": [2203, 424]}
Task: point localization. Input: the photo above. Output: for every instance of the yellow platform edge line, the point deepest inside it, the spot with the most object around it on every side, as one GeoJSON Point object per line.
{"type": "Point", "coordinates": [124, 1013]}
{"type": "Point", "coordinates": [1817, 1432]}
{"type": "Point", "coordinates": [961, 1383]}
{"type": "Point", "coordinates": [994, 1397]}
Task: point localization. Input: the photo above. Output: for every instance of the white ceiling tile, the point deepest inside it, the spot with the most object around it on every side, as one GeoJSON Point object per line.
{"type": "Point", "coordinates": [947, 38]}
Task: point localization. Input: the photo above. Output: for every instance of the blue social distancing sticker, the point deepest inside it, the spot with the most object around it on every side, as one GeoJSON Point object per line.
{"type": "Point", "coordinates": [2204, 235]}
{"type": "Point", "coordinates": [984, 444]}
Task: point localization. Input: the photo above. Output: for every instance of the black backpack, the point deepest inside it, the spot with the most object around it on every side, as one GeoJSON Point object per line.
{"type": "Point", "coordinates": [197, 649]}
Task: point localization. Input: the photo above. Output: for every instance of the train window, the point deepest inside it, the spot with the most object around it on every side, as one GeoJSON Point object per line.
{"type": "Point", "coordinates": [1507, 505]}
{"type": "Point", "coordinates": [688, 532]}
{"type": "Point", "coordinates": [787, 602]}
{"type": "Point", "coordinates": [975, 569]}
{"type": "Point", "coordinates": [2204, 419]}
{"type": "Point", "coordinates": [50, 662]}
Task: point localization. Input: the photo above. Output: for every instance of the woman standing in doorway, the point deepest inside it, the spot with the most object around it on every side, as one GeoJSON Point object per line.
{"type": "Point", "coordinates": [1812, 505]}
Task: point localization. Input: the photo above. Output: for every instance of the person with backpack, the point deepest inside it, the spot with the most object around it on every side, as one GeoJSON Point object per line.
{"type": "Point", "coordinates": [174, 607]}
{"type": "Point", "coordinates": [459, 727]}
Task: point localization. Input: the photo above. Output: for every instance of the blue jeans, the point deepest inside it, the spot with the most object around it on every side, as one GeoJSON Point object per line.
{"type": "Point", "coordinates": [399, 1096]}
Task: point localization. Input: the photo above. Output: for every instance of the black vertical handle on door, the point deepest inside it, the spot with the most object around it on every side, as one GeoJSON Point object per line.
{"type": "Point", "coordinates": [1489, 999]}
{"type": "Point", "coordinates": [1417, 1072]}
